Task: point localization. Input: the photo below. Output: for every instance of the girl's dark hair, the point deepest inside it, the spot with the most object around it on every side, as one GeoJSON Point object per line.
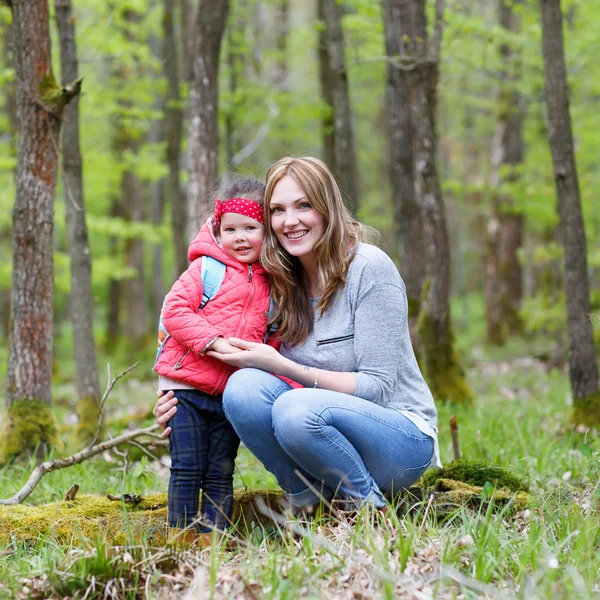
{"type": "Point", "coordinates": [251, 189]}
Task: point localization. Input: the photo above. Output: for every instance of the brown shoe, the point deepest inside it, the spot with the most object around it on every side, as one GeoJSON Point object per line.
{"type": "Point", "coordinates": [184, 538]}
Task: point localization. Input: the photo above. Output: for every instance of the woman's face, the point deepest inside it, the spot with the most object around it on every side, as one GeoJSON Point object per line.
{"type": "Point", "coordinates": [297, 225]}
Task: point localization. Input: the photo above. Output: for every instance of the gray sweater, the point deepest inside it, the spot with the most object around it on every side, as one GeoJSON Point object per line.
{"type": "Point", "coordinates": [365, 331]}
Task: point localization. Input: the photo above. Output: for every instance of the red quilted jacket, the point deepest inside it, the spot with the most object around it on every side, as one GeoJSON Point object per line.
{"type": "Point", "coordinates": [239, 309]}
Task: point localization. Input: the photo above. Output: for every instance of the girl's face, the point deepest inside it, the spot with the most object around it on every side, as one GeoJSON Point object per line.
{"type": "Point", "coordinates": [297, 225]}
{"type": "Point", "coordinates": [241, 237]}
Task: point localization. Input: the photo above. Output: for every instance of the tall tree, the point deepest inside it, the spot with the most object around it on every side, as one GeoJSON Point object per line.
{"type": "Point", "coordinates": [408, 224]}
{"type": "Point", "coordinates": [40, 105]}
{"type": "Point", "coordinates": [344, 147]}
{"type": "Point", "coordinates": [133, 199]}
{"type": "Point", "coordinates": [503, 289]}
{"type": "Point", "coordinates": [157, 135]}
{"type": "Point", "coordinates": [439, 358]}
{"type": "Point", "coordinates": [203, 134]}
{"type": "Point", "coordinates": [174, 134]}
{"type": "Point", "coordinates": [10, 108]}
{"type": "Point", "coordinates": [583, 365]}
{"type": "Point", "coordinates": [326, 81]}
{"type": "Point", "coordinates": [81, 302]}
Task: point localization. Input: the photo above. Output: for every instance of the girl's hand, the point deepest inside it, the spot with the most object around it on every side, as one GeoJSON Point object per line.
{"type": "Point", "coordinates": [165, 408]}
{"type": "Point", "coordinates": [222, 346]}
{"type": "Point", "coordinates": [249, 354]}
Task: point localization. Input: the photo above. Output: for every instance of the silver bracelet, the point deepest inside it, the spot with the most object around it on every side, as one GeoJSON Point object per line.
{"type": "Point", "coordinates": [316, 382]}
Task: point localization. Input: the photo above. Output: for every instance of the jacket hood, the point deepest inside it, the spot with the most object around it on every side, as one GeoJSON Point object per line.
{"type": "Point", "coordinates": [205, 244]}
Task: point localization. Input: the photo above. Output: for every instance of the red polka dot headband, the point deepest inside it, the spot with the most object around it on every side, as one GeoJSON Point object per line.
{"type": "Point", "coordinates": [241, 206]}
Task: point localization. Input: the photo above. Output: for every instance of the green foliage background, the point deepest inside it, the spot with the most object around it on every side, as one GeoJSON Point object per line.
{"type": "Point", "coordinates": [123, 82]}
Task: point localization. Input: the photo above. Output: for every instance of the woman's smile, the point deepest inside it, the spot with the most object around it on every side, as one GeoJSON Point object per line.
{"type": "Point", "coordinates": [296, 223]}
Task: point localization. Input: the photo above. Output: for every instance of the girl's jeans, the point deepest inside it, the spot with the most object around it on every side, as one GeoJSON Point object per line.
{"type": "Point", "coordinates": [323, 444]}
{"type": "Point", "coordinates": [203, 448]}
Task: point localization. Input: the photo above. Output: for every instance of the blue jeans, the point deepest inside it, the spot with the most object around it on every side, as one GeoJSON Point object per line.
{"type": "Point", "coordinates": [315, 440]}
{"type": "Point", "coordinates": [203, 447]}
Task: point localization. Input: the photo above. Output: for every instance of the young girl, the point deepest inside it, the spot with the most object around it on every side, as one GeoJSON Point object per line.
{"type": "Point", "coordinates": [203, 444]}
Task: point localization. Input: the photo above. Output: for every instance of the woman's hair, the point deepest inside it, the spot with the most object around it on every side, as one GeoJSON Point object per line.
{"type": "Point", "coordinates": [334, 250]}
{"type": "Point", "coordinates": [250, 189]}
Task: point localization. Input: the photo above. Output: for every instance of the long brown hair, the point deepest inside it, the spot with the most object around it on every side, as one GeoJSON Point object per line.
{"type": "Point", "coordinates": [334, 250]}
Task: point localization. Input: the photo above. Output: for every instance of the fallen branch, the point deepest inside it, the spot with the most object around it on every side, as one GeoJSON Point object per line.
{"type": "Point", "coordinates": [69, 461]}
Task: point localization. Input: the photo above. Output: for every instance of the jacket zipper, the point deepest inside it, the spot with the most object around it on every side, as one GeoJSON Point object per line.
{"type": "Point", "coordinates": [178, 364]}
{"type": "Point", "coordinates": [242, 323]}
{"type": "Point", "coordinates": [333, 340]}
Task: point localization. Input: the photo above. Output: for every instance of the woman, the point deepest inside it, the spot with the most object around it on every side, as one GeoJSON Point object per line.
{"type": "Point", "coordinates": [364, 424]}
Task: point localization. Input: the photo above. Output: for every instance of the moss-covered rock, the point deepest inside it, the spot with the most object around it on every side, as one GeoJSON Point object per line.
{"type": "Point", "coordinates": [449, 494]}
{"type": "Point", "coordinates": [87, 517]}
{"type": "Point", "coordinates": [586, 411]}
{"type": "Point", "coordinates": [477, 473]}
{"type": "Point", "coordinates": [440, 362]}
{"type": "Point", "coordinates": [90, 517]}
{"type": "Point", "coordinates": [29, 424]}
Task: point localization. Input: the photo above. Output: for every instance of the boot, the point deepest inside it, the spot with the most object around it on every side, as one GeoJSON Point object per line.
{"type": "Point", "coordinates": [184, 538]}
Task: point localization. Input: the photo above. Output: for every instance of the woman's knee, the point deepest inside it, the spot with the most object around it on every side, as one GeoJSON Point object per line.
{"type": "Point", "coordinates": [238, 388]}
{"type": "Point", "coordinates": [295, 414]}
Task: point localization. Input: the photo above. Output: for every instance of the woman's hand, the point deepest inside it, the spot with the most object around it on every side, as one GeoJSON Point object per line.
{"type": "Point", "coordinates": [249, 354]}
{"type": "Point", "coordinates": [165, 408]}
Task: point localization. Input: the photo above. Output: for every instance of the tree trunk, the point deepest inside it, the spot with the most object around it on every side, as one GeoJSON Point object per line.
{"type": "Point", "coordinates": [115, 291]}
{"type": "Point", "coordinates": [326, 80]}
{"type": "Point", "coordinates": [440, 361]}
{"type": "Point", "coordinates": [132, 192]}
{"type": "Point", "coordinates": [282, 16]}
{"type": "Point", "coordinates": [203, 134]}
{"type": "Point", "coordinates": [345, 152]}
{"type": "Point", "coordinates": [40, 104]}
{"type": "Point", "coordinates": [187, 15]}
{"type": "Point", "coordinates": [583, 366]}
{"type": "Point", "coordinates": [174, 133]}
{"type": "Point", "coordinates": [133, 200]}
{"type": "Point", "coordinates": [81, 300]}
{"type": "Point", "coordinates": [503, 288]}
{"type": "Point", "coordinates": [10, 107]}
{"type": "Point", "coordinates": [157, 135]}
{"type": "Point", "coordinates": [407, 217]}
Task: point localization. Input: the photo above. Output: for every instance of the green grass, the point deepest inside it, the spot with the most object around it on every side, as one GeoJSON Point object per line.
{"type": "Point", "coordinates": [519, 422]}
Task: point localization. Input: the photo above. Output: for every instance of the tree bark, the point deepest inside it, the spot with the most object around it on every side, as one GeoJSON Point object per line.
{"type": "Point", "coordinates": [174, 134]}
{"type": "Point", "coordinates": [203, 134]}
{"type": "Point", "coordinates": [503, 288]}
{"type": "Point", "coordinates": [407, 217]}
{"type": "Point", "coordinates": [133, 200]}
{"type": "Point", "coordinates": [40, 104]}
{"type": "Point", "coordinates": [10, 107]}
{"type": "Point", "coordinates": [157, 135]}
{"type": "Point", "coordinates": [326, 81]}
{"type": "Point", "coordinates": [81, 300]}
{"type": "Point", "coordinates": [440, 361]}
{"type": "Point", "coordinates": [345, 152]}
{"type": "Point", "coordinates": [583, 366]}
{"type": "Point", "coordinates": [115, 291]}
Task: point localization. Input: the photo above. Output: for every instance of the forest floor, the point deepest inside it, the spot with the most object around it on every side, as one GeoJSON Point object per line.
{"type": "Point", "coordinates": [519, 421]}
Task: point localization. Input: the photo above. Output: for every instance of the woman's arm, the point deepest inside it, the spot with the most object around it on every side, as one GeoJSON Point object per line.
{"type": "Point", "coordinates": [262, 356]}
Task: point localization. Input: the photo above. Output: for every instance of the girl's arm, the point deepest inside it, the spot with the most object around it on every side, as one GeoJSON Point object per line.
{"type": "Point", "coordinates": [180, 314]}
